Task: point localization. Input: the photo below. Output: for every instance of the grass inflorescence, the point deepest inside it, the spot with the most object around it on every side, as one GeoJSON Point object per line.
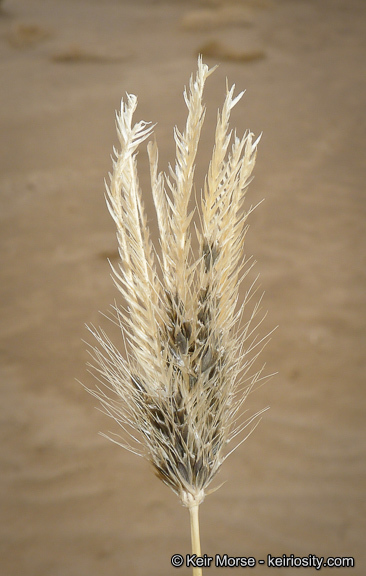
{"type": "Point", "coordinates": [178, 385]}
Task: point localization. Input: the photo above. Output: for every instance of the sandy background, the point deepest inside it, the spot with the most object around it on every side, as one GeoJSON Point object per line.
{"type": "Point", "coordinates": [72, 504]}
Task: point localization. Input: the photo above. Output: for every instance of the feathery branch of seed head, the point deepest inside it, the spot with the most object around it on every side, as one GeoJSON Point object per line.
{"type": "Point", "coordinates": [136, 279]}
{"type": "Point", "coordinates": [180, 386]}
{"type": "Point", "coordinates": [181, 182]}
{"type": "Point", "coordinates": [222, 220]}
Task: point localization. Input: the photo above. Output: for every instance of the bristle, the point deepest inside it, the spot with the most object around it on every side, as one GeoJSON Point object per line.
{"type": "Point", "coordinates": [178, 387]}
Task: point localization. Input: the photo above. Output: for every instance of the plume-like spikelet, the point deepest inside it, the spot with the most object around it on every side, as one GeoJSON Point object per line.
{"type": "Point", "coordinates": [179, 384]}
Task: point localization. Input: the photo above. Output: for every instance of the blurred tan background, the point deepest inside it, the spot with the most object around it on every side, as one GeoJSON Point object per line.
{"type": "Point", "coordinates": [72, 504]}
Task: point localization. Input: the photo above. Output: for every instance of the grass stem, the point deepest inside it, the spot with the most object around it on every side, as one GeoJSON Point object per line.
{"type": "Point", "coordinates": [195, 535]}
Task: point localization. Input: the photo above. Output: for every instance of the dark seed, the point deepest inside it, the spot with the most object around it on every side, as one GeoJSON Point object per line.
{"type": "Point", "coordinates": [192, 381]}
{"type": "Point", "coordinates": [184, 432]}
{"type": "Point", "coordinates": [182, 343]}
{"type": "Point", "coordinates": [180, 415]}
{"type": "Point", "coordinates": [187, 330]}
{"type": "Point", "coordinates": [183, 471]}
{"type": "Point", "coordinates": [178, 399]}
{"type": "Point", "coordinates": [198, 466]}
{"type": "Point", "coordinates": [178, 445]}
{"type": "Point", "coordinates": [210, 254]}
{"type": "Point", "coordinates": [207, 361]}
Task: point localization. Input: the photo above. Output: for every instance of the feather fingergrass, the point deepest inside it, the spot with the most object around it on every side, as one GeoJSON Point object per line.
{"type": "Point", "coordinates": [178, 386]}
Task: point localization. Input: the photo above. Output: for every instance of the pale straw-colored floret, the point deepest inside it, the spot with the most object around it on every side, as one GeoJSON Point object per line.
{"type": "Point", "coordinates": [178, 385]}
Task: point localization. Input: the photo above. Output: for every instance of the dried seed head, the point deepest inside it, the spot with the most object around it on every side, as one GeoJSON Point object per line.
{"type": "Point", "coordinates": [178, 387]}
